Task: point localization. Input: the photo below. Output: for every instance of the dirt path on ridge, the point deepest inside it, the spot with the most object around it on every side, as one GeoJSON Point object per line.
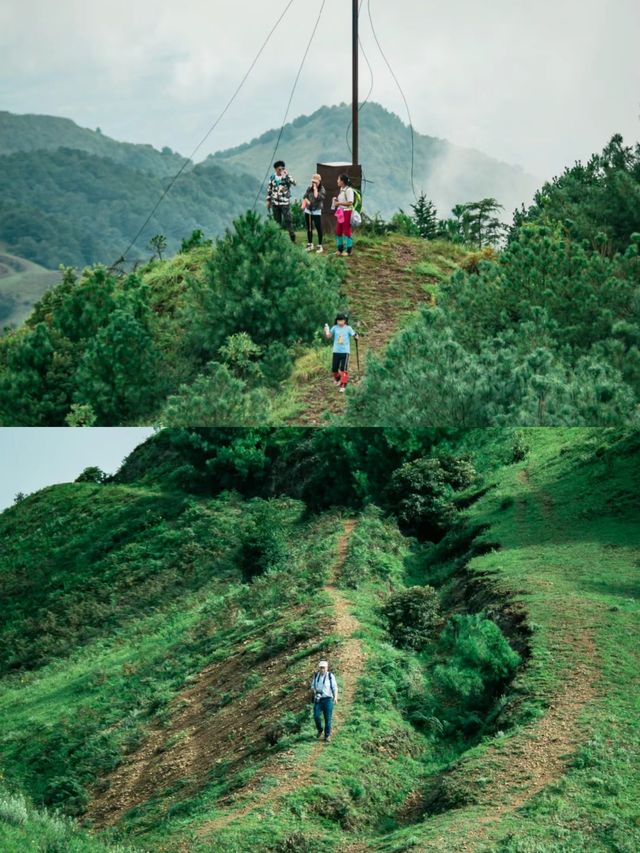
{"type": "Point", "coordinates": [381, 290]}
{"type": "Point", "coordinates": [349, 662]}
{"type": "Point", "coordinates": [537, 756]}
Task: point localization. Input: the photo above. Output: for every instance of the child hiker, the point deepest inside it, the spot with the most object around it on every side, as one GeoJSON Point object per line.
{"type": "Point", "coordinates": [343, 206]}
{"type": "Point", "coordinates": [312, 204]}
{"type": "Point", "coordinates": [341, 332]}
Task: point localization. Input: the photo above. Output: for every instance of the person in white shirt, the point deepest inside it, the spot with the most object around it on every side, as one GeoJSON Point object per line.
{"type": "Point", "coordinates": [343, 206]}
{"type": "Point", "coordinates": [325, 694]}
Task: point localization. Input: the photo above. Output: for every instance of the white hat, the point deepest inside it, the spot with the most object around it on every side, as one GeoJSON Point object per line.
{"type": "Point", "coordinates": [323, 663]}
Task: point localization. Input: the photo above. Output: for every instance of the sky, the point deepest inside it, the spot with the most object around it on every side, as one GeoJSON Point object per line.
{"type": "Point", "coordinates": [32, 458]}
{"type": "Point", "coordinates": [539, 83]}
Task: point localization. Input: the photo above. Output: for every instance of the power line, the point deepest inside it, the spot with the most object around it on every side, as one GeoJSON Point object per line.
{"type": "Point", "coordinates": [382, 53]}
{"type": "Point", "coordinates": [208, 133]}
{"type": "Point", "coordinates": [366, 100]}
{"type": "Point", "coordinates": [286, 115]}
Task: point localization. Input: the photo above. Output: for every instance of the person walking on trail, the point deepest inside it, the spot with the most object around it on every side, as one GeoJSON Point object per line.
{"type": "Point", "coordinates": [325, 695]}
{"type": "Point", "coordinates": [312, 204]}
{"type": "Point", "coordinates": [279, 197]}
{"type": "Point", "coordinates": [343, 205]}
{"type": "Point", "coordinates": [341, 332]}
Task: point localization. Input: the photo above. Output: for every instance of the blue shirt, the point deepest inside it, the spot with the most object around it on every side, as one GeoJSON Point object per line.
{"type": "Point", "coordinates": [341, 338]}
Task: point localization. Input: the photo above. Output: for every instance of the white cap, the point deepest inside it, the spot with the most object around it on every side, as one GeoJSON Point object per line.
{"type": "Point", "coordinates": [323, 663]}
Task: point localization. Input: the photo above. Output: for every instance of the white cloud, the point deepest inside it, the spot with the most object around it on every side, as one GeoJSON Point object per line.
{"type": "Point", "coordinates": [538, 83]}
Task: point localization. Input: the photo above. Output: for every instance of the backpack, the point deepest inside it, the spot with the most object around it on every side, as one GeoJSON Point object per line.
{"type": "Point", "coordinates": [357, 200]}
{"type": "Point", "coordinates": [331, 681]}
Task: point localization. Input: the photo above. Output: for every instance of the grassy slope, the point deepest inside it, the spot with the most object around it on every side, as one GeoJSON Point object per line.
{"type": "Point", "coordinates": [22, 283]}
{"type": "Point", "coordinates": [559, 779]}
{"type": "Point", "coordinates": [566, 521]}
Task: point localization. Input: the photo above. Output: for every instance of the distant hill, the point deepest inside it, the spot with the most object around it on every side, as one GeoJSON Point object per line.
{"type": "Point", "coordinates": [448, 174]}
{"type": "Point", "coordinates": [22, 284]}
{"type": "Point", "coordinates": [45, 133]}
{"type": "Point", "coordinates": [67, 206]}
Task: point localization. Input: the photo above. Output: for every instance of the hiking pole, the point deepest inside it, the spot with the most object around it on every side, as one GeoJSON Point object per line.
{"type": "Point", "coordinates": [357, 355]}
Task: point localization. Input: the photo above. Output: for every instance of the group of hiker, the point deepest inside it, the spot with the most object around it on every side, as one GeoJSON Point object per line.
{"type": "Point", "coordinates": [345, 209]}
{"type": "Point", "coordinates": [343, 205]}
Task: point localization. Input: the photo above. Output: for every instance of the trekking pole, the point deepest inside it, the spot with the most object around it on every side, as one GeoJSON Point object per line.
{"type": "Point", "coordinates": [357, 355]}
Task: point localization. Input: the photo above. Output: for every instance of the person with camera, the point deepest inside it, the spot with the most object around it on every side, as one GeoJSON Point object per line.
{"type": "Point", "coordinates": [279, 197]}
{"type": "Point", "coordinates": [325, 694]}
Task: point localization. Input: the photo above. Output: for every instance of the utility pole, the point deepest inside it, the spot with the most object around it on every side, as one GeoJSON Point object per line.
{"type": "Point", "coordinates": [356, 51]}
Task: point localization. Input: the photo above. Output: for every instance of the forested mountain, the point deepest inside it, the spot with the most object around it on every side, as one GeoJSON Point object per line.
{"type": "Point", "coordinates": [69, 195]}
{"type": "Point", "coordinates": [447, 173]}
{"type": "Point", "coordinates": [66, 206]}
{"type": "Point", "coordinates": [475, 593]}
{"type": "Point", "coordinates": [48, 133]}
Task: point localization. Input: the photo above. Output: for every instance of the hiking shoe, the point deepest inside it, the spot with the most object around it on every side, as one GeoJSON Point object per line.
{"type": "Point", "coordinates": [319, 735]}
{"type": "Point", "coordinates": [309, 247]}
{"type": "Point", "coordinates": [342, 389]}
{"type": "Point", "coordinates": [319, 250]}
{"type": "Point", "coordinates": [327, 739]}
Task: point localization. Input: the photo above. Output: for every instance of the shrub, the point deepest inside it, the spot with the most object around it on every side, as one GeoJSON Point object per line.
{"type": "Point", "coordinates": [422, 497]}
{"type": "Point", "coordinates": [259, 283]}
{"type": "Point", "coordinates": [477, 663]}
{"type": "Point", "coordinates": [13, 809]}
{"type": "Point", "coordinates": [412, 615]}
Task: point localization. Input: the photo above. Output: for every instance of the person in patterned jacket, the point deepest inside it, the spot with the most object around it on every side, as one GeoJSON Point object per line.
{"type": "Point", "coordinates": [279, 197]}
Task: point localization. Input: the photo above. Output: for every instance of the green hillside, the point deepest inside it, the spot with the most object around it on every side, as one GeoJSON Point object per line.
{"type": "Point", "coordinates": [48, 133]}
{"type": "Point", "coordinates": [22, 284]}
{"type": "Point", "coordinates": [476, 592]}
{"type": "Point", "coordinates": [448, 174]}
{"type": "Point", "coordinates": [66, 206]}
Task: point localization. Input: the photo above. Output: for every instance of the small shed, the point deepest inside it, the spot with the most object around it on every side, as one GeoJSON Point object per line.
{"type": "Point", "coordinates": [330, 173]}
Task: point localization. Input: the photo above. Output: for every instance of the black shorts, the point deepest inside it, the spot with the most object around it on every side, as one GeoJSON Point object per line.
{"type": "Point", "coordinates": [340, 362]}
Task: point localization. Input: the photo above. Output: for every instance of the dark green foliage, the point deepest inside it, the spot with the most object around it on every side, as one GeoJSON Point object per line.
{"type": "Point", "coordinates": [158, 243]}
{"type": "Point", "coordinates": [70, 207]}
{"type": "Point", "coordinates": [196, 240]}
{"type": "Point", "coordinates": [476, 664]}
{"type": "Point", "coordinates": [93, 474]}
{"type": "Point", "coordinates": [547, 335]}
{"type": "Point", "coordinates": [412, 615]}
{"type": "Point", "coordinates": [598, 203]}
{"type": "Point", "coordinates": [474, 223]}
{"type": "Point", "coordinates": [425, 217]}
{"type": "Point", "coordinates": [259, 283]}
{"type": "Point", "coordinates": [421, 493]}
{"type": "Point", "coordinates": [216, 397]}
{"type": "Point", "coordinates": [88, 345]}
{"type": "Point", "coordinates": [264, 545]}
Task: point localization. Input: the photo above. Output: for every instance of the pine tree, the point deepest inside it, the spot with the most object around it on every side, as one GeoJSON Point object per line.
{"type": "Point", "coordinates": [425, 217]}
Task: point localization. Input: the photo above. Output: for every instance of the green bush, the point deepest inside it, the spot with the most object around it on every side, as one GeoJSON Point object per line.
{"type": "Point", "coordinates": [421, 494]}
{"type": "Point", "coordinates": [476, 663]}
{"type": "Point", "coordinates": [412, 615]}
{"type": "Point", "coordinates": [259, 283]}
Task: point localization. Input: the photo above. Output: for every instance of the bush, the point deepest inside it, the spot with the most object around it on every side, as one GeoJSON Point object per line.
{"type": "Point", "coordinates": [421, 494]}
{"type": "Point", "coordinates": [477, 663]}
{"type": "Point", "coordinates": [412, 616]}
{"type": "Point", "coordinates": [13, 809]}
{"type": "Point", "coordinates": [259, 283]}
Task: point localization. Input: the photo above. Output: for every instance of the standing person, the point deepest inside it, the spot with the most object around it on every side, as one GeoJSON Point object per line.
{"type": "Point", "coordinates": [325, 695]}
{"type": "Point", "coordinates": [279, 197]}
{"type": "Point", "coordinates": [343, 206]}
{"type": "Point", "coordinates": [341, 332]}
{"type": "Point", "coordinates": [312, 204]}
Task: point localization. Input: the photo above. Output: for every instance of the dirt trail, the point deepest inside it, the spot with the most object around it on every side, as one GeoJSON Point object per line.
{"type": "Point", "coordinates": [538, 756]}
{"type": "Point", "coordinates": [380, 290]}
{"type": "Point", "coordinates": [349, 662]}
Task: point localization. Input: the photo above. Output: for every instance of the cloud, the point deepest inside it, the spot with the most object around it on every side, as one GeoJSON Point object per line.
{"type": "Point", "coordinates": [538, 84]}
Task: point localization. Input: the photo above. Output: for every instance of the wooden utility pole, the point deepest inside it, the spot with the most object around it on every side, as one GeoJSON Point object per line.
{"type": "Point", "coordinates": [354, 100]}
{"type": "Point", "coordinates": [330, 171]}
